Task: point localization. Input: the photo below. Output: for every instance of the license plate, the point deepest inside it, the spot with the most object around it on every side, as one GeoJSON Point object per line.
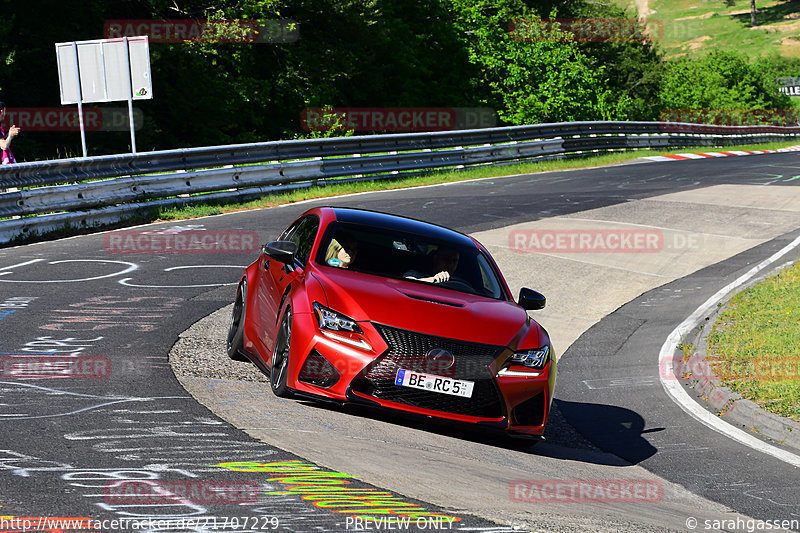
{"type": "Point", "coordinates": [432, 383]}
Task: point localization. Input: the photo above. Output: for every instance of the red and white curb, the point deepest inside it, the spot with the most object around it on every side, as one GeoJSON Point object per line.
{"type": "Point", "coordinates": [705, 155]}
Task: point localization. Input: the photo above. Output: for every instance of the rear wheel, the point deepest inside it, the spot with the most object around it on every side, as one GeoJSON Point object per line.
{"type": "Point", "coordinates": [280, 357]}
{"type": "Point", "coordinates": [235, 342]}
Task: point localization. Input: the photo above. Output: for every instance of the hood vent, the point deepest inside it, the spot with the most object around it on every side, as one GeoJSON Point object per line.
{"type": "Point", "coordinates": [433, 300]}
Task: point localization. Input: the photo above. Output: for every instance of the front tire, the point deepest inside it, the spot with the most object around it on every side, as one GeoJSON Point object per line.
{"type": "Point", "coordinates": [280, 357]}
{"type": "Point", "coordinates": [235, 342]}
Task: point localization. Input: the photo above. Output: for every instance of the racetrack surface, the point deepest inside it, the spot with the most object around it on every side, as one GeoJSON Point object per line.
{"type": "Point", "coordinates": [74, 437]}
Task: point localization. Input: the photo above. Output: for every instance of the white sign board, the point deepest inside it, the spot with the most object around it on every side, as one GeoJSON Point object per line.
{"type": "Point", "coordinates": [103, 69]}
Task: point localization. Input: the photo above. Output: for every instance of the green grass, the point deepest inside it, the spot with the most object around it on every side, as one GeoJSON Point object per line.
{"type": "Point", "coordinates": [754, 346]}
{"type": "Point", "coordinates": [434, 178]}
{"type": "Point", "coordinates": [338, 189]}
{"type": "Point", "coordinates": [689, 26]}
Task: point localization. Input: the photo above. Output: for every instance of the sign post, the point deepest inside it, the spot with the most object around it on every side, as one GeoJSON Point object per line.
{"type": "Point", "coordinates": [104, 70]}
{"type": "Point", "coordinates": [80, 99]}
{"type": "Point", "coordinates": [128, 85]}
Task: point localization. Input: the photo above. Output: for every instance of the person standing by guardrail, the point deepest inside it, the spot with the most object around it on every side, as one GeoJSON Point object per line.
{"type": "Point", "coordinates": [5, 140]}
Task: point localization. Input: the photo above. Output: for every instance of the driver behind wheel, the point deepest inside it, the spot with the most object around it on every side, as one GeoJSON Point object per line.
{"type": "Point", "coordinates": [444, 261]}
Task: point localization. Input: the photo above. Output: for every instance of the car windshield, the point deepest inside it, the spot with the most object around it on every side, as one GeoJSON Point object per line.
{"type": "Point", "coordinates": [402, 255]}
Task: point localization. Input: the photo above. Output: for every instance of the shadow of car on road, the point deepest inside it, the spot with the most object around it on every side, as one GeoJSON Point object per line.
{"type": "Point", "coordinates": [609, 429]}
{"type": "Point", "coordinates": [614, 434]}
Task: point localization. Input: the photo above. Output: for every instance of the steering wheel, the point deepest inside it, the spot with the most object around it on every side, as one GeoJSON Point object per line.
{"type": "Point", "coordinates": [457, 283]}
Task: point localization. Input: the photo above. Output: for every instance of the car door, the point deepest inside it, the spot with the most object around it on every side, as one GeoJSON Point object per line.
{"type": "Point", "coordinates": [278, 279]}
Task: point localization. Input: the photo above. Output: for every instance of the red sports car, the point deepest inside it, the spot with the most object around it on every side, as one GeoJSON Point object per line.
{"type": "Point", "coordinates": [365, 307]}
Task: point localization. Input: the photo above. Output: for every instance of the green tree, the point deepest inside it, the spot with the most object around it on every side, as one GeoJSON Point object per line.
{"type": "Point", "coordinates": [535, 73]}
{"type": "Point", "coordinates": [619, 42]}
{"type": "Point", "coordinates": [719, 82]}
{"type": "Point", "coordinates": [357, 53]}
{"type": "Point", "coordinates": [29, 73]}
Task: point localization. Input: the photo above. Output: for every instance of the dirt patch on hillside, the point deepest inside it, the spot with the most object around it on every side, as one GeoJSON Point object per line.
{"type": "Point", "coordinates": [781, 27]}
{"type": "Point", "coordinates": [791, 42]}
{"type": "Point", "coordinates": [704, 16]}
{"type": "Point", "coordinates": [697, 42]}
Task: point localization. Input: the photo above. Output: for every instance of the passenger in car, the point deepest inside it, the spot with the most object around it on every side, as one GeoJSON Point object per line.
{"type": "Point", "coordinates": [341, 252]}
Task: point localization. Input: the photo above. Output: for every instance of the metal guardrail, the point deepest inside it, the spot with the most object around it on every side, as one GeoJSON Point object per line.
{"type": "Point", "coordinates": [94, 191]}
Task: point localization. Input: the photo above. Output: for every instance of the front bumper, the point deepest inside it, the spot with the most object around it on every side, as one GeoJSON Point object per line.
{"type": "Point", "coordinates": [324, 367]}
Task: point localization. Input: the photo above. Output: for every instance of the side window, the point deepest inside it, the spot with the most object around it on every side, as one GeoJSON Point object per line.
{"type": "Point", "coordinates": [491, 286]}
{"type": "Point", "coordinates": [302, 233]}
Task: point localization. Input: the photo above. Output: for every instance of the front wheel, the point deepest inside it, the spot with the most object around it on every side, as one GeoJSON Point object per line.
{"type": "Point", "coordinates": [235, 342]}
{"type": "Point", "coordinates": [280, 357]}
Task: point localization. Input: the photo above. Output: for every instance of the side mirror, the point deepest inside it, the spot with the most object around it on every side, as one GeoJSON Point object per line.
{"type": "Point", "coordinates": [530, 299]}
{"type": "Point", "coordinates": [281, 251]}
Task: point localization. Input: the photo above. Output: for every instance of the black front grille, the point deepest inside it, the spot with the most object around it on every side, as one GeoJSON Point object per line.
{"type": "Point", "coordinates": [408, 350]}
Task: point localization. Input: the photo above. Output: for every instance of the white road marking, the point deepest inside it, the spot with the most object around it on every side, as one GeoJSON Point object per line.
{"type": "Point", "coordinates": [203, 266]}
{"type": "Point", "coordinates": [131, 268]}
{"type": "Point", "coordinates": [681, 397]}
{"type": "Point", "coordinates": [48, 390]}
{"type": "Point", "coordinates": [21, 264]}
{"type": "Point", "coordinates": [126, 281]}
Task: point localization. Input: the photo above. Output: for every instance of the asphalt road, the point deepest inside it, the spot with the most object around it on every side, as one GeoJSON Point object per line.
{"type": "Point", "coordinates": [70, 443]}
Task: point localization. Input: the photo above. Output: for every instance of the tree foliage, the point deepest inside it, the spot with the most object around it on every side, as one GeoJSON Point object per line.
{"type": "Point", "coordinates": [719, 80]}
{"type": "Point", "coordinates": [619, 42]}
{"type": "Point", "coordinates": [536, 73]}
{"type": "Point", "coordinates": [510, 55]}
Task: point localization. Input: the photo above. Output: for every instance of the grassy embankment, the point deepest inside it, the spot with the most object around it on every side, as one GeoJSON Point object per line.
{"type": "Point", "coordinates": [337, 189]}
{"type": "Point", "coordinates": [685, 27]}
{"type": "Point", "coordinates": [322, 191]}
{"type": "Point", "coordinates": [754, 346]}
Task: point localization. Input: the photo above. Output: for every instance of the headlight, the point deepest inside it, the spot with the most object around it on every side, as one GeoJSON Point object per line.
{"type": "Point", "coordinates": [333, 321]}
{"type": "Point", "coordinates": [537, 358]}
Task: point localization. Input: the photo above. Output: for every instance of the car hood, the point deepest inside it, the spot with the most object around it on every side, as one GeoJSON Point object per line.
{"type": "Point", "coordinates": [425, 308]}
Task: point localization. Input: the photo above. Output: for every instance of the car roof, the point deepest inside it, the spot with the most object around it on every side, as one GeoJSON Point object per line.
{"type": "Point", "coordinates": [395, 222]}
